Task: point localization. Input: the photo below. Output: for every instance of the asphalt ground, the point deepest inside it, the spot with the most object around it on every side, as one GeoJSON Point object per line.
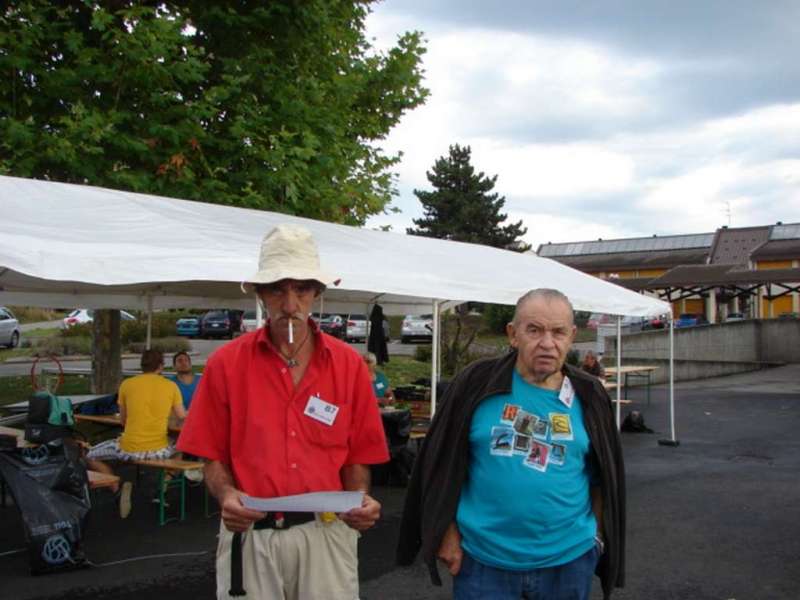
{"type": "Point", "coordinates": [717, 517]}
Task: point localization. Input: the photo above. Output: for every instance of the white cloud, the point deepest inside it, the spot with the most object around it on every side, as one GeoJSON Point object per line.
{"type": "Point", "coordinates": [583, 137]}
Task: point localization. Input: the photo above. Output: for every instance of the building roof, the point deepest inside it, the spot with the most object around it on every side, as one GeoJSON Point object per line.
{"type": "Point", "coordinates": [626, 245]}
{"type": "Point", "coordinates": [621, 261]}
{"type": "Point", "coordinates": [777, 250]}
{"type": "Point", "coordinates": [719, 275]}
{"type": "Point", "coordinates": [733, 246]}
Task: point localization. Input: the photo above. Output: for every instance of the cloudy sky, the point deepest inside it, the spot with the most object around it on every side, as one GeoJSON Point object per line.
{"type": "Point", "coordinates": [608, 119]}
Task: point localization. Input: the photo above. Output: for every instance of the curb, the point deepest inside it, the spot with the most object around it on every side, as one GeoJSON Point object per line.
{"type": "Point", "coordinates": [21, 360]}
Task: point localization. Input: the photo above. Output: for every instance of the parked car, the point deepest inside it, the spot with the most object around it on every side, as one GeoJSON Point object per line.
{"type": "Point", "coordinates": [188, 326]}
{"type": "Point", "coordinates": [249, 321]}
{"type": "Point", "coordinates": [416, 328]}
{"type": "Point", "coordinates": [9, 328]}
{"type": "Point", "coordinates": [333, 325]}
{"type": "Point", "coordinates": [220, 323]}
{"type": "Point", "coordinates": [356, 328]}
{"type": "Point", "coordinates": [734, 317]}
{"type": "Point", "coordinates": [788, 316]}
{"type": "Point", "coordinates": [690, 320]}
{"type": "Point", "coordinates": [599, 319]}
{"type": "Point", "coordinates": [654, 323]}
{"type": "Point", "coordinates": [80, 316]}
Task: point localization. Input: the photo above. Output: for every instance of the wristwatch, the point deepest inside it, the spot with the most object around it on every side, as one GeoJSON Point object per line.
{"type": "Point", "coordinates": [601, 545]}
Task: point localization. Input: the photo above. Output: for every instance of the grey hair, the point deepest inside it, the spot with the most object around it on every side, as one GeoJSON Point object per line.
{"type": "Point", "coordinates": [548, 294]}
{"type": "Point", "coordinates": [370, 358]}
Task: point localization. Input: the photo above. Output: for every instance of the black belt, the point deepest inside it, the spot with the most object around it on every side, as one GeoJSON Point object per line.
{"type": "Point", "coordinates": [271, 521]}
{"type": "Point", "coordinates": [283, 520]}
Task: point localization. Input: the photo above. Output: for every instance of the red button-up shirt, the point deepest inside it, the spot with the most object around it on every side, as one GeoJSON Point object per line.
{"type": "Point", "coordinates": [248, 414]}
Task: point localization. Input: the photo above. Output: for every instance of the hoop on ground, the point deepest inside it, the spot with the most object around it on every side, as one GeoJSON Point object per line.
{"type": "Point", "coordinates": [49, 382]}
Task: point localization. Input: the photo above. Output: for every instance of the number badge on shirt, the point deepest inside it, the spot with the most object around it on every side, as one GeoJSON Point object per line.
{"type": "Point", "coordinates": [321, 411]}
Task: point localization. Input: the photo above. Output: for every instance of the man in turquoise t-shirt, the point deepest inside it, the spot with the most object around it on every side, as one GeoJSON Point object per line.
{"type": "Point", "coordinates": [528, 512]}
{"type": "Point", "coordinates": [184, 376]}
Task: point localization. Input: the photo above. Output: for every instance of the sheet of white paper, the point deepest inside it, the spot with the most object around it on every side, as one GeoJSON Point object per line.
{"type": "Point", "coordinates": [313, 502]}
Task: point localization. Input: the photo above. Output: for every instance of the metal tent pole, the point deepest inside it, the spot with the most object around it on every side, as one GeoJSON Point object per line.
{"type": "Point", "coordinates": [673, 441]}
{"type": "Point", "coordinates": [149, 322]}
{"type": "Point", "coordinates": [435, 349]}
{"type": "Point", "coordinates": [619, 370]}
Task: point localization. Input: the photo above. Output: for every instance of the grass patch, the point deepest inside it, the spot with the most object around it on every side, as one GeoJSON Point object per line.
{"type": "Point", "coordinates": [403, 370]}
{"type": "Point", "coordinates": [41, 333]}
{"type": "Point", "coordinates": [18, 388]}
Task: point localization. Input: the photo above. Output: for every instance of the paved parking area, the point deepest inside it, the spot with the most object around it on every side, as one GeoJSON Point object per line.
{"type": "Point", "coordinates": [716, 518]}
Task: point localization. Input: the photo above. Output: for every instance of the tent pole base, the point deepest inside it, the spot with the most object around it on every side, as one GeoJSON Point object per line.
{"type": "Point", "coordinates": [672, 443]}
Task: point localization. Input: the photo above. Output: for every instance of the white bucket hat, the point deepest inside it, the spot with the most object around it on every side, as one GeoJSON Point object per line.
{"type": "Point", "coordinates": [290, 252]}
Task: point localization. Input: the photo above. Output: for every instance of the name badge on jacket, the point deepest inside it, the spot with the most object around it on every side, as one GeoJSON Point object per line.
{"type": "Point", "coordinates": [321, 411]}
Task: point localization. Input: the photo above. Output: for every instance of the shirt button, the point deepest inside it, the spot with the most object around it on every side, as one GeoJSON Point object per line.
{"type": "Point", "coordinates": [283, 370]}
{"type": "Point", "coordinates": [294, 465]}
{"type": "Point", "coordinates": [292, 433]}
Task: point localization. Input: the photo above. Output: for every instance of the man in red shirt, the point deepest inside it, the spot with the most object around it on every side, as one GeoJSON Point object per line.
{"type": "Point", "coordinates": [280, 411]}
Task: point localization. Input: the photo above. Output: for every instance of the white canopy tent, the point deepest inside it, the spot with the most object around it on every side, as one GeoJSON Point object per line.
{"type": "Point", "coordinates": [69, 245]}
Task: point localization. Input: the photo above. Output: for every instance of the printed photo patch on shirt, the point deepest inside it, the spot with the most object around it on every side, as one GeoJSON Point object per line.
{"type": "Point", "coordinates": [524, 422]}
{"type": "Point", "coordinates": [538, 456]}
{"type": "Point", "coordinates": [502, 441]}
{"type": "Point", "coordinates": [561, 427]}
{"type": "Point", "coordinates": [540, 429]}
{"type": "Point", "coordinates": [558, 454]}
{"type": "Point", "coordinates": [509, 413]}
{"type": "Point", "coordinates": [522, 444]}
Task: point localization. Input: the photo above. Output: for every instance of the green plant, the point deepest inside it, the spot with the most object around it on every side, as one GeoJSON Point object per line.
{"type": "Point", "coordinates": [165, 344]}
{"type": "Point", "coordinates": [423, 354]}
{"type": "Point", "coordinates": [497, 316]}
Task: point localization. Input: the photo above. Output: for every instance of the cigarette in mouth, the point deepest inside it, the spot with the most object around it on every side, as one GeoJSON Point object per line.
{"type": "Point", "coordinates": [291, 332]}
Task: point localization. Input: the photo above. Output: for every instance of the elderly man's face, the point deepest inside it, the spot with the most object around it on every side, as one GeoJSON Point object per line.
{"type": "Point", "coordinates": [542, 334]}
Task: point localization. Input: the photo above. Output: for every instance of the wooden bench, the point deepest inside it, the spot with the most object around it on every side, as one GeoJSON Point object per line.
{"type": "Point", "coordinates": [179, 481]}
{"type": "Point", "coordinates": [101, 480]}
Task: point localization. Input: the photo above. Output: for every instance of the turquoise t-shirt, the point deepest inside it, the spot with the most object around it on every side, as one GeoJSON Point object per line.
{"type": "Point", "coordinates": [380, 385]}
{"type": "Point", "coordinates": [526, 501]}
{"type": "Point", "coordinates": [187, 390]}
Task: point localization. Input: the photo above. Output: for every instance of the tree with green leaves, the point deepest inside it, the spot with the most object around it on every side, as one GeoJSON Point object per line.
{"type": "Point", "coordinates": [276, 105]}
{"type": "Point", "coordinates": [462, 208]}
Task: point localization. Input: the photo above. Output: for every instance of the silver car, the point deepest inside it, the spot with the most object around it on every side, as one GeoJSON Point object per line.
{"type": "Point", "coordinates": [356, 328]}
{"type": "Point", "coordinates": [9, 328]}
{"type": "Point", "coordinates": [417, 328]}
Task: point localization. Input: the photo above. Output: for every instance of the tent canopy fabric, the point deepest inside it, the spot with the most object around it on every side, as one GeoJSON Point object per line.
{"type": "Point", "coordinates": [69, 245]}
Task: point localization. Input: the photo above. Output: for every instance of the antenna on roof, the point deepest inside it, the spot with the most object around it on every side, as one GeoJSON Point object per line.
{"type": "Point", "coordinates": [728, 211]}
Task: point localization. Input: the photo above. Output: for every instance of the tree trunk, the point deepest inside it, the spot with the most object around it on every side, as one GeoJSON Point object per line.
{"type": "Point", "coordinates": [106, 352]}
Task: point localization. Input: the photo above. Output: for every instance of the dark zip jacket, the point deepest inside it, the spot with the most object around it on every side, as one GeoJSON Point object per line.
{"type": "Point", "coordinates": [441, 467]}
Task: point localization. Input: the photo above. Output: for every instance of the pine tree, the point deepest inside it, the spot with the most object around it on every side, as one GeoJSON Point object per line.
{"type": "Point", "coordinates": [462, 208]}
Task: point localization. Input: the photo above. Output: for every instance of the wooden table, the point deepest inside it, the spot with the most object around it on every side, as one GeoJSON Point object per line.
{"type": "Point", "coordinates": [643, 371]}
{"type": "Point", "coordinates": [174, 426]}
{"type": "Point", "coordinates": [19, 434]}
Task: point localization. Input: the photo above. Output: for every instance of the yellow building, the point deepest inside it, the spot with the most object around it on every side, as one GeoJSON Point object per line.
{"type": "Point", "coordinates": [752, 271]}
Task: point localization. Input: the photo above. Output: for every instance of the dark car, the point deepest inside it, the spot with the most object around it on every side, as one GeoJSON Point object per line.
{"type": "Point", "coordinates": [690, 320]}
{"type": "Point", "coordinates": [220, 323]}
{"type": "Point", "coordinates": [333, 325]}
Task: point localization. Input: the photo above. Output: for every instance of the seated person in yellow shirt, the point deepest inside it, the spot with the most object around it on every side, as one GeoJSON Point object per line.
{"type": "Point", "coordinates": [145, 405]}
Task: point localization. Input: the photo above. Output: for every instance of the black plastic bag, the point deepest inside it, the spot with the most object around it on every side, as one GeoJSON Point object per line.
{"type": "Point", "coordinates": [50, 487]}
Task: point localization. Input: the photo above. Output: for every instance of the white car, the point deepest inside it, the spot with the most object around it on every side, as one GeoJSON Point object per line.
{"type": "Point", "coordinates": [417, 327]}
{"type": "Point", "coordinates": [79, 316]}
{"type": "Point", "coordinates": [9, 328]}
{"type": "Point", "coordinates": [356, 328]}
{"type": "Point", "coordinates": [249, 321]}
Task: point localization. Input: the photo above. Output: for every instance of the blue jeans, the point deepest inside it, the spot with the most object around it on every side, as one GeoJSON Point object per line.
{"type": "Point", "coordinates": [570, 581]}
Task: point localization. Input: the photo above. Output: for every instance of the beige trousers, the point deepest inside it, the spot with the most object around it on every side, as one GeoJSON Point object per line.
{"type": "Point", "coordinates": [313, 561]}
